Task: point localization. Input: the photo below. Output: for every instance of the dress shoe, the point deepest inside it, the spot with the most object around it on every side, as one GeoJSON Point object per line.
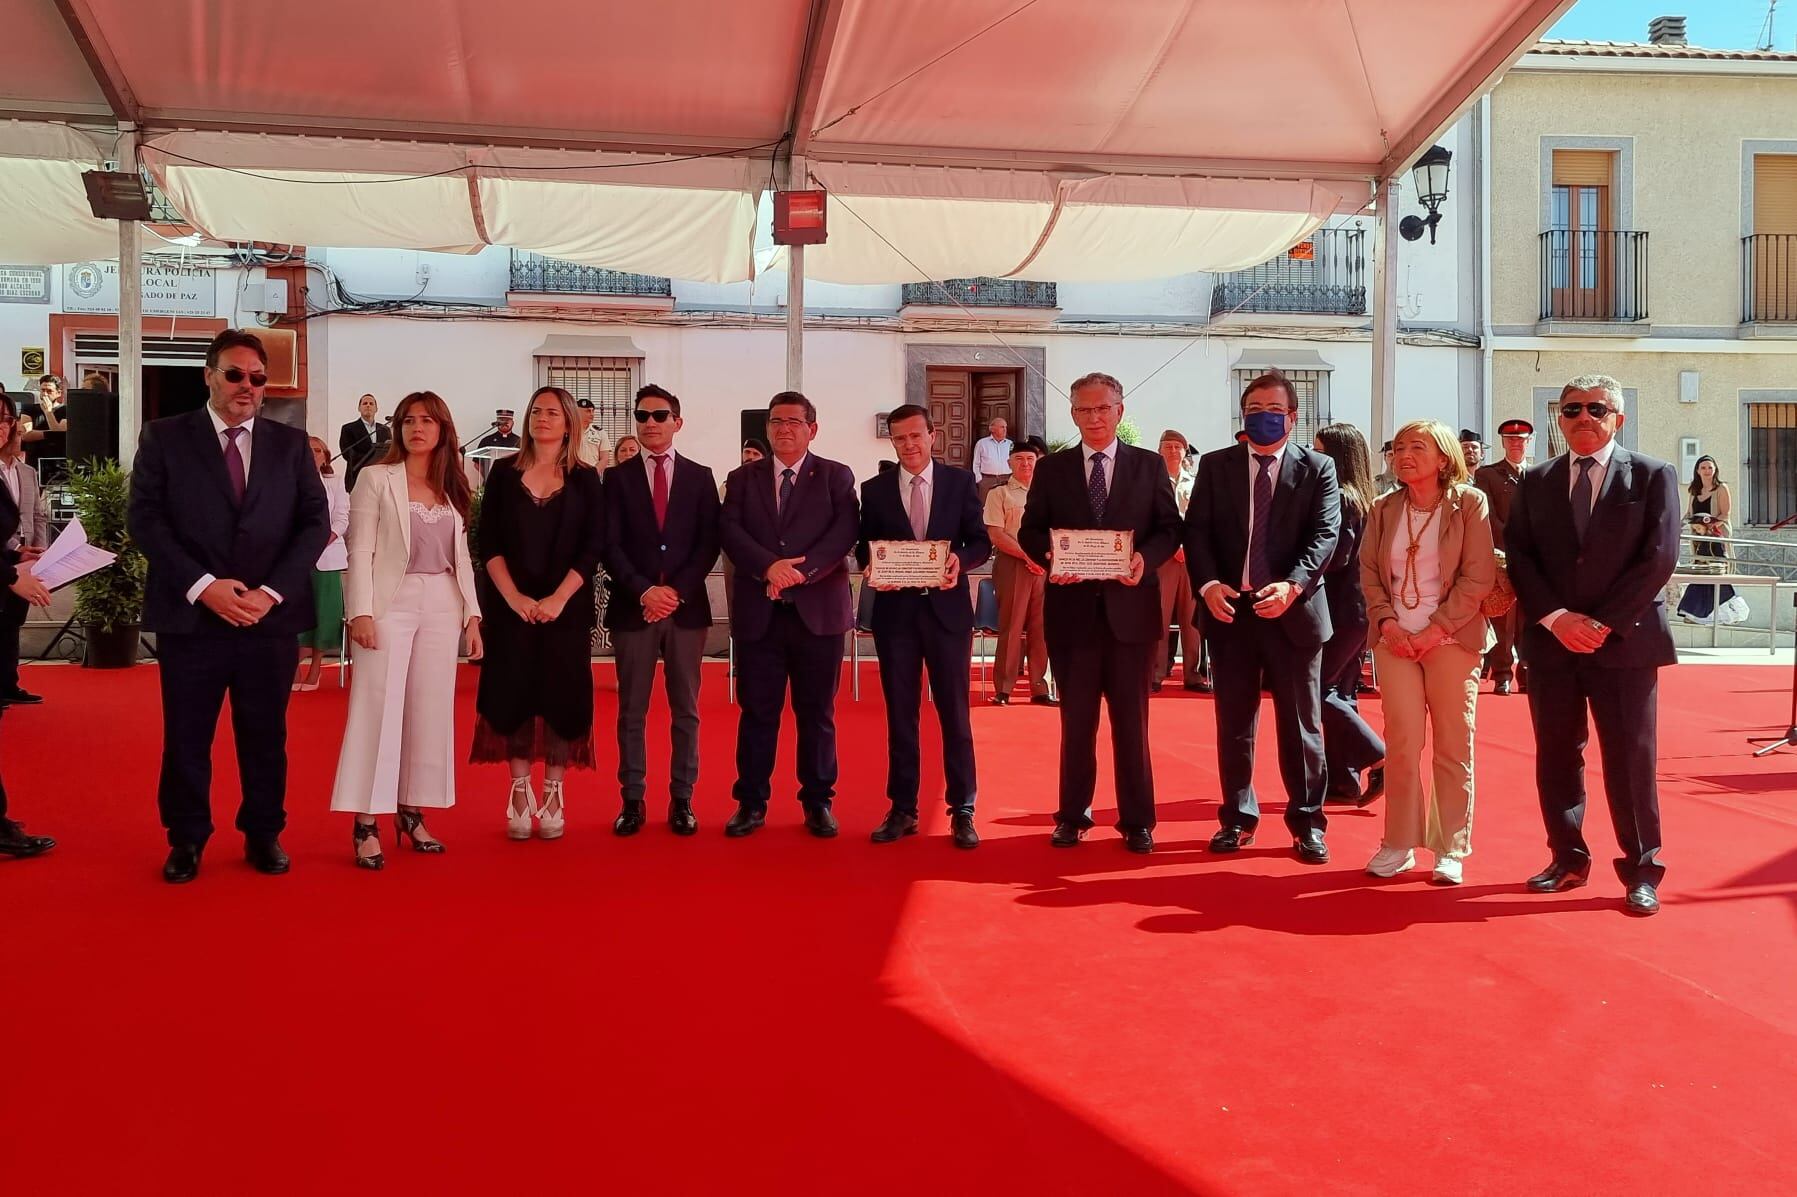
{"type": "Point", "coordinates": [1344, 793]}
{"type": "Point", "coordinates": [265, 855]}
{"type": "Point", "coordinates": [183, 863]}
{"type": "Point", "coordinates": [1231, 839]}
{"type": "Point", "coordinates": [897, 825]}
{"type": "Point", "coordinates": [1642, 900]}
{"type": "Point", "coordinates": [820, 822]}
{"type": "Point", "coordinates": [1044, 700]}
{"type": "Point", "coordinates": [681, 819]}
{"type": "Point", "coordinates": [1066, 835]}
{"type": "Point", "coordinates": [1501, 686]}
{"type": "Point", "coordinates": [962, 832]}
{"type": "Point", "coordinates": [20, 697]}
{"type": "Point", "coordinates": [1154, 688]}
{"type": "Point", "coordinates": [746, 821]}
{"type": "Point", "coordinates": [1375, 785]}
{"type": "Point", "coordinates": [1139, 840]}
{"type": "Point", "coordinates": [630, 819]}
{"type": "Point", "coordinates": [1557, 879]}
{"type": "Point", "coordinates": [1001, 700]}
{"type": "Point", "coordinates": [1199, 687]}
{"type": "Point", "coordinates": [1310, 847]}
{"type": "Point", "coordinates": [14, 841]}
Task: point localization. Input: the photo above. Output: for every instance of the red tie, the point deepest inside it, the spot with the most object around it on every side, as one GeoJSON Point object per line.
{"type": "Point", "coordinates": [660, 492]}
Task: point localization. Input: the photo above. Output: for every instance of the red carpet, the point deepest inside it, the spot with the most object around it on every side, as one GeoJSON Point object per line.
{"type": "Point", "coordinates": [784, 1015]}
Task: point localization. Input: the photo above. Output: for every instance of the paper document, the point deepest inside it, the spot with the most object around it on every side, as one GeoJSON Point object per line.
{"type": "Point", "coordinates": [70, 557]}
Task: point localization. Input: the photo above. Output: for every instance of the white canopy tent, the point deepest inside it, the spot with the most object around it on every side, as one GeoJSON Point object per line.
{"type": "Point", "coordinates": [1033, 138]}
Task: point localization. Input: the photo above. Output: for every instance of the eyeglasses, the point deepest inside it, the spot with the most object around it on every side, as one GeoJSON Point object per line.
{"type": "Point", "coordinates": [1087, 413]}
{"type": "Point", "coordinates": [1597, 411]}
{"type": "Point", "coordinates": [785, 422]}
{"type": "Point", "coordinates": [660, 415]}
{"type": "Point", "coordinates": [234, 376]}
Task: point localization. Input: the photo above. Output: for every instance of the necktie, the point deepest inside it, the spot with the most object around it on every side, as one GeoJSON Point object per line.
{"type": "Point", "coordinates": [1096, 489]}
{"type": "Point", "coordinates": [1581, 496]}
{"type": "Point", "coordinates": [920, 508]}
{"type": "Point", "coordinates": [785, 487]}
{"type": "Point", "coordinates": [234, 464]}
{"type": "Point", "coordinates": [660, 492]}
{"type": "Point", "coordinates": [1260, 569]}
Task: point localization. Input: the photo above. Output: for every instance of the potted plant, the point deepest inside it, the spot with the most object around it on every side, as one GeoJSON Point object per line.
{"type": "Point", "coordinates": [109, 603]}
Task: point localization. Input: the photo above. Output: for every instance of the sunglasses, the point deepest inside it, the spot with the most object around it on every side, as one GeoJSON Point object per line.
{"type": "Point", "coordinates": [660, 415]}
{"type": "Point", "coordinates": [234, 376]}
{"type": "Point", "coordinates": [1597, 411]}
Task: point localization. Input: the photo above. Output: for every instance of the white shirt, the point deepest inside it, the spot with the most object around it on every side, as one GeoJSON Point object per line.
{"type": "Point", "coordinates": [593, 445]}
{"type": "Point", "coordinates": [336, 554]}
{"type": "Point", "coordinates": [1596, 473]}
{"type": "Point", "coordinates": [1426, 583]}
{"type": "Point", "coordinates": [9, 470]}
{"type": "Point", "coordinates": [798, 471]}
{"type": "Point", "coordinates": [243, 450]}
{"type": "Point", "coordinates": [908, 481]}
{"type": "Point", "coordinates": [992, 456]}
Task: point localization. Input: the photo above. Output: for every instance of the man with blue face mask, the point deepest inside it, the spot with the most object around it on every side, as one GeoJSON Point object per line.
{"type": "Point", "coordinates": [1261, 525]}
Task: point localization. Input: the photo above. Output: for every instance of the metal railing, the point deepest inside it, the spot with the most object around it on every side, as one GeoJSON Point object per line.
{"type": "Point", "coordinates": [1769, 278]}
{"type": "Point", "coordinates": [1750, 564]}
{"type": "Point", "coordinates": [1593, 274]}
{"type": "Point", "coordinates": [981, 293]}
{"type": "Point", "coordinates": [536, 273]}
{"type": "Point", "coordinates": [1324, 276]}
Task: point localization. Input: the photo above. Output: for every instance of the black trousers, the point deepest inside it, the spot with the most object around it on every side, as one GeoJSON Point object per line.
{"type": "Point", "coordinates": [789, 653]}
{"type": "Point", "coordinates": [1241, 653]}
{"type": "Point", "coordinates": [1349, 742]}
{"type": "Point", "coordinates": [198, 671]}
{"type": "Point", "coordinates": [1622, 703]}
{"type": "Point", "coordinates": [1098, 667]}
{"type": "Point", "coordinates": [905, 652]}
{"type": "Point", "coordinates": [13, 612]}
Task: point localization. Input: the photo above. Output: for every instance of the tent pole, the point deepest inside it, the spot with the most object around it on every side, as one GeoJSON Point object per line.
{"type": "Point", "coordinates": [1385, 317]}
{"type": "Point", "coordinates": [130, 384]}
{"type": "Point", "coordinates": [795, 291]}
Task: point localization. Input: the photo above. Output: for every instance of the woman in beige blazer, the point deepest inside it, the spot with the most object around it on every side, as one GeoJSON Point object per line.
{"type": "Point", "coordinates": [410, 596]}
{"type": "Point", "coordinates": [1426, 564]}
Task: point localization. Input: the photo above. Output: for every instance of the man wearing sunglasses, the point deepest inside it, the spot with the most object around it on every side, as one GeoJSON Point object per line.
{"type": "Point", "coordinates": [229, 510]}
{"type": "Point", "coordinates": [1591, 542]}
{"type": "Point", "coordinates": [661, 540]}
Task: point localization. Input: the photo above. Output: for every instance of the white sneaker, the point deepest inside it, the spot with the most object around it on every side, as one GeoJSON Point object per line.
{"type": "Point", "coordinates": [1447, 871]}
{"type": "Point", "coordinates": [1389, 862]}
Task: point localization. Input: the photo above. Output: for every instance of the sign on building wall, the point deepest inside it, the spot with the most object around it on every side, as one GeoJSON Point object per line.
{"type": "Point", "coordinates": [168, 289]}
{"type": "Point", "coordinates": [24, 284]}
{"type": "Point", "coordinates": [32, 361]}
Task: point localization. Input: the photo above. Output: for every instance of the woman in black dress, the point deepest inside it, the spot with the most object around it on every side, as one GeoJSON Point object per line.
{"type": "Point", "coordinates": [1711, 506]}
{"type": "Point", "coordinates": [540, 529]}
{"type": "Point", "coordinates": [1349, 744]}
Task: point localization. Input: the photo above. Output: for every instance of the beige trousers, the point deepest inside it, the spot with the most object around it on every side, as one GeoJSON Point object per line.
{"type": "Point", "coordinates": [1020, 595]}
{"type": "Point", "coordinates": [1436, 695]}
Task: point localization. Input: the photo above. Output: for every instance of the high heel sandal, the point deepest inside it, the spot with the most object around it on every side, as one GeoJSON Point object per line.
{"type": "Point", "coordinates": [517, 822]}
{"type": "Point", "coordinates": [367, 831]}
{"type": "Point", "coordinates": [406, 823]}
{"type": "Point", "coordinates": [549, 826]}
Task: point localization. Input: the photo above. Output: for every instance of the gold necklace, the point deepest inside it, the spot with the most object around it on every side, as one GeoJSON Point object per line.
{"type": "Point", "coordinates": [1410, 591]}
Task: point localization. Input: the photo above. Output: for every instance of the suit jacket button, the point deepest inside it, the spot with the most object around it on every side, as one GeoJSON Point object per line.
{"type": "Point", "coordinates": [783, 544]}
{"type": "Point", "coordinates": [664, 548]}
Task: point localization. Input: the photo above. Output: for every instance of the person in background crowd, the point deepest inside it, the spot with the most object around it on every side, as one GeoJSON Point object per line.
{"type": "Point", "coordinates": [1711, 506]}
{"type": "Point", "coordinates": [754, 449]}
{"type": "Point", "coordinates": [22, 585]}
{"type": "Point", "coordinates": [628, 448]}
{"type": "Point", "coordinates": [590, 438]}
{"type": "Point", "coordinates": [1018, 584]}
{"type": "Point", "coordinates": [1384, 482]}
{"type": "Point", "coordinates": [411, 598]}
{"type": "Point", "coordinates": [542, 524]}
{"type": "Point", "coordinates": [28, 539]}
{"type": "Point", "coordinates": [44, 424]}
{"type": "Point", "coordinates": [661, 540]}
{"type": "Point", "coordinates": [992, 457]}
{"type": "Point", "coordinates": [93, 380]}
{"type": "Point", "coordinates": [504, 435]}
{"type": "Point", "coordinates": [1177, 602]}
{"type": "Point", "coordinates": [1472, 449]}
{"type": "Point", "coordinates": [1593, 538]}
{"type": "Point", "coordinates": [362, 440]}
{"type": "Point", "coordinates": [1349, 745]}
{"type": "Point", "coordinates": [1426, 566]}
{"type": "Point", "coordinates": [327, 577]}
{"type": "Point", "coordinates": [1499, 481]}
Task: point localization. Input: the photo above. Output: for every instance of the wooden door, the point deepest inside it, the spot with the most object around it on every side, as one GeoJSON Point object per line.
{"type": "Point", "coordinates": [995, 398]}
{"type": "Point", "coordinates": [951, 412]}
{"type": "Point", "coordinates": [1580, 241]}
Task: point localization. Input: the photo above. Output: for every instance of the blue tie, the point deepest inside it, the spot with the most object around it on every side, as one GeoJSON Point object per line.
{"type": "Point", "coordinates": [1260, 569]}
{"type": "Point", "coordinates": [1096, 489]}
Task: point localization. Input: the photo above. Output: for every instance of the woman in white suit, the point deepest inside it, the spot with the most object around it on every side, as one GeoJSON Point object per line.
{"type": "Point", "coordinates": [410, 597]}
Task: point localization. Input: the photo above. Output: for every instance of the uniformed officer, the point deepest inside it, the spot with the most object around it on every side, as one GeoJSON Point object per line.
{"type": "Point", "coordinates": [1499, 481]}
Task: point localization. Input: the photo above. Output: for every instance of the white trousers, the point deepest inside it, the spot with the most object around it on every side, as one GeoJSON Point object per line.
{"type": "Point", "coordinates": [399, 743]}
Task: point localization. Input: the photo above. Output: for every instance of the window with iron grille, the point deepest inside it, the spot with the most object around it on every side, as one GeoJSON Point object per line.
{"type": "Point", "coordinates": [1312, 387]}
{"type": "Point", "coordinates": [610, 382]}
{"type": "Point", "coordinates": [1771, 462]}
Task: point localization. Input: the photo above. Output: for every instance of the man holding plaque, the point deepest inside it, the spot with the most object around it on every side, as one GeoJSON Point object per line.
{"type": "Point", "coordinates": [921, 531]}
{"type": "Point", "coordinates": [1262, 524]}
{"type": "Point", "coordinates": [1100, 518]}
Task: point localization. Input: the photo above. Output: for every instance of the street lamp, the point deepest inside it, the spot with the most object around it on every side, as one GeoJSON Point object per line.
{"type": "Point", "coordinates": [1430, 178]}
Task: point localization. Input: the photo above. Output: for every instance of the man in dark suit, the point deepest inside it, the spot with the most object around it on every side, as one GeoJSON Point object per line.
{"type": "Point", "coordinates": [229, 510]}
{"type": "Point", "coordinates": [362, 440]}
{"type": "Point", "coordinates": [789, 524]}
{"type": "Point", "coordinates": [1592, 539]}
{"type": "Point", "coordinates": [1260, 530]}
{"type": "Point", "coordinates": [1103, 635]}
{"type": "Point", "coordinates": [1499, 481]}
{"type": "Point", "coordinates": [661, 540]}
{"type": "Point", "coordinates": [916, 628]}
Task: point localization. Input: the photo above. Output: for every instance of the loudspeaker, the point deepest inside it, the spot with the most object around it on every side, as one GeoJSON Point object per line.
{"type": "Point", "coordinates": [93, 426]}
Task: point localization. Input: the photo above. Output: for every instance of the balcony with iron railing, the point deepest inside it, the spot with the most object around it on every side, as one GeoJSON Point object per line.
{"type": "Point", "coordinates": [980, 293]}
{"type": "Point", "coordinates": [1769, 278]}
{"type": "Point", "coordinates": [1593, 277]}
{"type": "Point", "coordinates": [1324, 275]}
{"type": "Point", "coordinates": [538, 275]}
